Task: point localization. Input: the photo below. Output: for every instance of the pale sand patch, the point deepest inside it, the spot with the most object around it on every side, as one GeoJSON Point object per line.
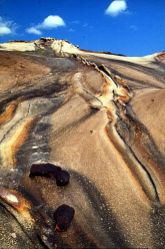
{"type": "Point", "coordinates": [18, 46]}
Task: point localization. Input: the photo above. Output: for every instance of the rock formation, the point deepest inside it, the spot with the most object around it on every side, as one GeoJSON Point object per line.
{"type": "Point", "coordinates": [98, 116]}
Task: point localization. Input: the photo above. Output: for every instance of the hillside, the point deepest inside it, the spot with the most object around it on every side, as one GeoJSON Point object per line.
{"type": "Point", "coordinates": [100, 117]}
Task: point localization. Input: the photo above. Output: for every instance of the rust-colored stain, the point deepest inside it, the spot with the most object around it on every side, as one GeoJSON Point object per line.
{"type": "Point", "coordinates": [10, 148]}
{"type": "Point", "coordinates": [17, 201]}
{"type": "Point", "coordinates": [13, 198]}
{"type": "Point", "coordinates": [8, 113]}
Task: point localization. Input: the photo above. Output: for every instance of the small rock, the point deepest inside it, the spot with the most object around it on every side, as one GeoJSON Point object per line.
{"type": "Point", "coordinates": [63, 216]}
{"type": "Point", "coordinates": [13, 235]}
{"type": "Point", "coordinates": [47, 170]}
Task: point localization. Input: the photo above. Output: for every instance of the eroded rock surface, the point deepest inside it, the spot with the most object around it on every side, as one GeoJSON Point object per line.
{"type": "Point", "coordinates": [101, 118]}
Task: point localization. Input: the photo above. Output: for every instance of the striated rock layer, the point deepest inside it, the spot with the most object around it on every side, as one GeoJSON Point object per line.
{"type": "Point", "coordinates": [100, 117]}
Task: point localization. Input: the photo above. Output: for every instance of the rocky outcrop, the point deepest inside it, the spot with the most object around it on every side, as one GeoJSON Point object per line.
{"type": "Point", "coordinates": [99, 117]}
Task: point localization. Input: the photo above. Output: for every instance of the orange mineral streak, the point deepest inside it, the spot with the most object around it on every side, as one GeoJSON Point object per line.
{"type": "Point", "coordinates": [16, 201]}
{"type": "Point", "coordinates": [124, 95]}
{"type": "Point", "coordinates": [13, 198]}
{"type": "Point", "coordinates": [21, 136]}
{"type": "Point", "coordinates": [105, 88]}
{"type": "Point", "coordinates": [13, 145]}
{"type": "Point", "coordinates": [120, 81]}
{"type": "Point", "coordinates": [110, 115]}
{"type": "Point", "coordinates": [8, 113]}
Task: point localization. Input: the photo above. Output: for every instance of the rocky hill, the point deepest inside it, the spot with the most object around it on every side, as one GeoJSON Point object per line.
{"type": "Point", "coordinates": [100, 118]}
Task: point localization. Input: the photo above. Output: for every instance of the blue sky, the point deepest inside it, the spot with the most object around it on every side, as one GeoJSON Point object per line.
{"type": "Point", "coordinates": [132, 27]}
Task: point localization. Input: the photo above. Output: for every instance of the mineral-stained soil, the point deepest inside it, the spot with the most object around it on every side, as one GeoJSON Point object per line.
{"type": "Point", "coordinates": [98, 116]}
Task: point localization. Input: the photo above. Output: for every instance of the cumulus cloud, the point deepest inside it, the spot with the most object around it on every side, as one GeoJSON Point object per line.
{"type": "Point", "coordinates": [50, 22]}
{"type": "Point", "coordinates": [116, 7]}
{"type": "Point", "coordinates": [5, 30]}
{"type": "Point", "coordinates": [6, 27]}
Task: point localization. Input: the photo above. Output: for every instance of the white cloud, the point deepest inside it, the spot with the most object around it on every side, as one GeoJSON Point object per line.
{"type": "Point", "coordinates": [50, 22]}
{"type": "Point", "coordinates": [5, 30]}
{"type": "Point", "coordinates": [6, 27]}
{"type": "Point", "coordinates": [116, 7]}
{"type": "Point", "coordinates": [33, 30]}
